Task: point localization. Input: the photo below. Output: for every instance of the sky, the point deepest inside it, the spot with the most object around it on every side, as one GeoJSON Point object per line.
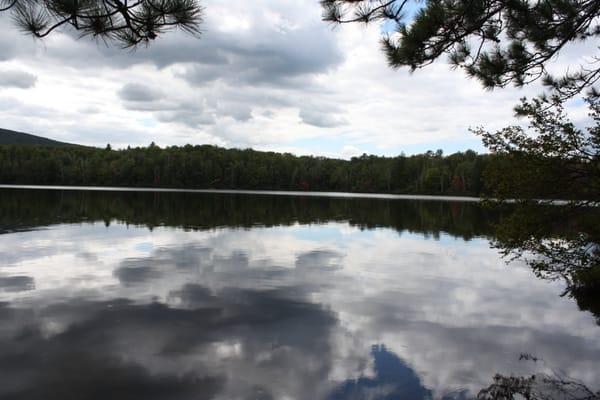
{"type": "Point", "coordinates": [265, 74]}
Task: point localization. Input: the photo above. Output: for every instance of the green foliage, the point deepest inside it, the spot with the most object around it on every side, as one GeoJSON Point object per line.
{"type": "Point", "coordinates": [214, 167]}
{"type": "Point", "coordinates": [554, 160]}
{"type": "Point", "coordinates": [498, 42]}
{"type": "Point", "coordinates": [126, 23]}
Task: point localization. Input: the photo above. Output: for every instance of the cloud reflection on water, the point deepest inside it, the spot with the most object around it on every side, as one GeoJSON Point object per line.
{"type": "Point", "coordinates": [273, 313]}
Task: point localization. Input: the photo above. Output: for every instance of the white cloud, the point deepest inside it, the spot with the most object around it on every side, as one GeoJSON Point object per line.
{"type": "Point", "coordinates": [350, 151]}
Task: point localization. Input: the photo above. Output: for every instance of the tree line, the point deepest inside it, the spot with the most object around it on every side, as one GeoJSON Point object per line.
{"type": "Point", "coordinates": [207, 166]}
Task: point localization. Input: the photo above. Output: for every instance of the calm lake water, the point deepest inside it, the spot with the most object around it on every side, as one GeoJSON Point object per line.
{"type": "Point", "coordinates": [117, 295]}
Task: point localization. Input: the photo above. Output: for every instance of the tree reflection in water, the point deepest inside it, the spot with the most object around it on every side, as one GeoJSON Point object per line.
{"type": "Point", "coordinates": [542, 386]}
{"type": "Point", "coordinates": [558, 243]}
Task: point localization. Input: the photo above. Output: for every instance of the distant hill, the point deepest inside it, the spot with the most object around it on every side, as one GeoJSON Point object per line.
{"type": "Point", "coordinates": [12, 137]}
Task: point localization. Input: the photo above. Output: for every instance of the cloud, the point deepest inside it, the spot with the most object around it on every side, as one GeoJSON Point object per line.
{"type": "Point", "coordinates": [132, 275]}
{"type": "Point", "coordinates": [321, 119]}
{"type": "Point", "coordinates": [12, 42]}
{"type": "Point", "coordinates": [190, 117]}
{"type": "Point", "coordinates": [16, 283]}
{"type": "Point", "coordinates": [267, 56]}
{"type": "Point", "coordinates": [47, 369]}
{"type": "Point", "coordinates": [138, 92]}
{"type": "Point", "coordinates": [238, 111]}
{"type": "Point", "coordinates": [17, 79]}
{"type": "Point", "coordinates": [350, 151]}
{"type": "Point", "coordinates": [217, 344]}
{"type": "Point", "coordinates": [318, 259]}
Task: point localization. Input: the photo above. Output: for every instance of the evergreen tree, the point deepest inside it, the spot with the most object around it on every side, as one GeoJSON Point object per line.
{"type": "Point", "coordinates": [125, 23]}
{"type": "Point", "coordinates": [497, 42]}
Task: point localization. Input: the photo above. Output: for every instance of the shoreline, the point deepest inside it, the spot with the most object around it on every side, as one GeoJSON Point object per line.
{"type": "Point", "coordinates": [382, 196]}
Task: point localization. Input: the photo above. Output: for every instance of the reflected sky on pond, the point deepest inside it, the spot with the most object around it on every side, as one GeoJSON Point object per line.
{"type": "Point", "coordinates": [304, 311]}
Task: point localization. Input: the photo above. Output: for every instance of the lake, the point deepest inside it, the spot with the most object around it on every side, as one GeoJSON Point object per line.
{"type": "Point", "coordinates": [164, 295]}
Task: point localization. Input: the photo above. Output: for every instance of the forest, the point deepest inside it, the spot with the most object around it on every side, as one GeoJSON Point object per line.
{"type": "Point", "coordinates": [207, 166]}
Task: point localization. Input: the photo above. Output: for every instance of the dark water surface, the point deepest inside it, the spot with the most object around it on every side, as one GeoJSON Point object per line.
{"type": "Point", "coordinates": [116, 295]}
